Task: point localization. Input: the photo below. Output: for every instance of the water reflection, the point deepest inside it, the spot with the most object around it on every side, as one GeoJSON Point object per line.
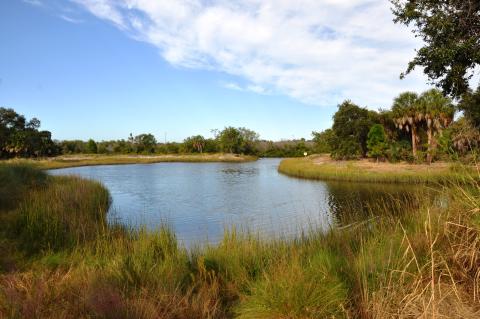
{"type": "Point", "coordinates": [351, 202]}
{"type": "Point", "coordinates": [200, 200]}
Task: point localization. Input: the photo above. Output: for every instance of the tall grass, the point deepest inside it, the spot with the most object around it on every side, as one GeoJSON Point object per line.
{"type": "Point", "coordinates": [424, 263]}
{"type": "Point", "coordinates": [306, 168]}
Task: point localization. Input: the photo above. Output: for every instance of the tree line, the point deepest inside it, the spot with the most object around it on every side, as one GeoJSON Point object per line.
{"type": "Point", "coordinates": [417, 128]}
{"type": "Point", "coordinates": [22, 138]}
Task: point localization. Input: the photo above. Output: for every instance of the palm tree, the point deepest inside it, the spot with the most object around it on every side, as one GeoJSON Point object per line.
{"type": "Point", "coordinates": [438, 112]}
{"type": "Point", "coordinates": [198, 142]}
{"type": "Point", "coordinates": [407, 115]}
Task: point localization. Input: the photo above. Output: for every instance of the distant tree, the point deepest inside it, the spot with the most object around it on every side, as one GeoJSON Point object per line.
{"type": "Point", "coordinates": [322, 141]}
{"type": "Point", "coordinates": [249, 140]}
{"type": "Point", "coordinates": [450, 30]}
{"type": "Point", "coordinates": [351, 125]}
{"type": "Point", "coordinates": [21, 138]}
{"type": "Point", "coordinates": [211, 145]}
{"type": "Point", "coordinates": [194, 144]}
{"type": "Point", "coordinates": [92, 146]}
{"type": "Point", "coordinates": [377, 142]}
{"type": "Point", "coordinates": [230, 140]}
{"type": "Point", "coordinates": [145, 143]}
{"type": "Point", "coordinates": [470, 105]}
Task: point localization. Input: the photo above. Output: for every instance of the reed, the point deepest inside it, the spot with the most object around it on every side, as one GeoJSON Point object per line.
{"type": "Point", "coordinates": [72, 264]}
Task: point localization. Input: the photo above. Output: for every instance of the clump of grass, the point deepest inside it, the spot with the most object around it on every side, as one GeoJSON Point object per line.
{"type": "Point", "coordinates": [61, 214]}
{"type": "Point", "coordinates": [297, 288]}
{"type": "Point", "coordinates": [15, 181]}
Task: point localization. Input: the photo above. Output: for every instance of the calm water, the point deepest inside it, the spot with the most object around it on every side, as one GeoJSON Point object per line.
{"type": "Point", "coordinates": [200, 200]}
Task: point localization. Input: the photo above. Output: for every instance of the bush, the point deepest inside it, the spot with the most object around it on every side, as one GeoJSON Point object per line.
{"type": "Point", "coordinates": [377, 141]}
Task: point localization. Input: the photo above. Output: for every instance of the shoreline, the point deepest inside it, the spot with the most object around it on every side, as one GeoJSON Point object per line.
{"type": "Point", "coordinates": [67, 161]}
{"type": "Point", "coordinates": [322, 167]}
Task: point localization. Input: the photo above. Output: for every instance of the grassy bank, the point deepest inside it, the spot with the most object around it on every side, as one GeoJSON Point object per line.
{"type": "Point", "coordinates": [64, 261]}
{"type": "Point", "coordinates": [321, 167]}
{"type": "Point", "coordinates": [88, 160]}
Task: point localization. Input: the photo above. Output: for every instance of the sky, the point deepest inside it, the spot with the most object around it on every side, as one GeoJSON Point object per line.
{"type": "Point", "coordinates": [103, 69]}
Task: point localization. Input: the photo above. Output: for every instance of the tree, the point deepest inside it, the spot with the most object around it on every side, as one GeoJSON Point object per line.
{"type": "Point", "coordinates": [145, 143]}
{"type": "Point", "coordinates": [465, 137]}
{"type": "Point", "coordinates": [230, 140]}
{"type": "Point", "coordinates": [470, 105]}
{"type": "Point", "coordinates": [450, 30]}
{"type": "Point", "coordinates": [377, 141]}
{"type": "Point", "coordinates": [194, 143]}
{"type": "Point", "coordinates": [21, 138]}
{"type": "Point", "coordinates": [437, 112]}
{"type": "Point", "coordinates": [322, 141]}
{"type": "Point", "coordinates": [407, 115]}
{"type": "Point", "coordinates": [92, 146]}
{"type": "Point", "coordinates": [351, 124]}
{"type": "Point", "coordinates": [249, 140]}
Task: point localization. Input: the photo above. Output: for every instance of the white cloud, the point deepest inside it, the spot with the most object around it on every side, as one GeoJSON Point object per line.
{"type": "Point", "coordinates": [317, 51]}
{"type": "Point", "coordinates": [70, 19]}
{"type": "Point", "coordinates": [37, 3]}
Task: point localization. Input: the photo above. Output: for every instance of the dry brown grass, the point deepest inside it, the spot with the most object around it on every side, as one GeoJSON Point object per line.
{"type": "Point", "coordinates": [89, 160]}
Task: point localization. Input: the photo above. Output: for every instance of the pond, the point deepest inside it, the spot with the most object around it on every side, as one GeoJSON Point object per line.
{"type": "Point", "coordinates": [200, 200]}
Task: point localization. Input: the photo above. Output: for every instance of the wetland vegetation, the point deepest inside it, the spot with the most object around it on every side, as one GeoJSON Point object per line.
{"type": "Point", "coordinates": [63, 259]}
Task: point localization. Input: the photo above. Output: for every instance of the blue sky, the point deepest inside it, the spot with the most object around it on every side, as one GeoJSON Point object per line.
{"type": "Point", "coordinates": [103, 69]}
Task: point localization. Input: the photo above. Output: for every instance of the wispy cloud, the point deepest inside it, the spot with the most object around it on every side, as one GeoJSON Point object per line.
{"type": "Point", "coordinates": [70, 19]}
{"type": "Point", "coordinates": [318, 52]}
{"type": "Point", "coordinates": [37, 3]}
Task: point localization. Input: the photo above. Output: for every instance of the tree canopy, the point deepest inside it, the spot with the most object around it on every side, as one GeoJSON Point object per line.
{"type": "Point", "coordinates": [22, 138]}
{"type": "Point", "coordinates": [351, 124]}
{"type": "Point", "coordinates": [450, 30]}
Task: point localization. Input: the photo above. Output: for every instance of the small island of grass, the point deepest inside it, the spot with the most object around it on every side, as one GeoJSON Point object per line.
{"type": "Point", "coordinates": [90, 159]}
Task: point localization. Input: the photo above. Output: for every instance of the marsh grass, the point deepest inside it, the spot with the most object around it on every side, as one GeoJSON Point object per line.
{"type": "Point", "coordinates": [307, 168]}
{"type": "Point", "coordinates": [89, 160]}
{"type": "Point", "coordinates": [421, 264]}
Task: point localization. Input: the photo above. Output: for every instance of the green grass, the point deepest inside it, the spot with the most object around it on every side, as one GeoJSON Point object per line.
{"type": "Point", "coordinates": [308, 169]}
{"type": "Point", "coordinates": [89, 160]}
{"type": "Point", "coordinates": [65, 261]}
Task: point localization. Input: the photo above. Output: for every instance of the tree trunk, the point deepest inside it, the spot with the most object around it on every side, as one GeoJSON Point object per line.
{"type": "Point", "coordinates": [430, 145]}
{"type": "Point", "coordinates": [414, 141]}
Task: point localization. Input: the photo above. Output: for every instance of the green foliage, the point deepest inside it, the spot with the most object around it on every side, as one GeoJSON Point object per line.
{"type": "Point", "coordinates": [424, 116]}
{"type": "Point", "coordinates": [237, 140]}
{"type": "Point", "coordinates": [322, 141]}
{"type": "Point", "coordinates": [194, 144]}
{"type": "Point", "coordinates": [16, 181]}
{"type": "Point", "coordinates": [144, 143]}
{"type": "Point", "coordinates": [377, 141]}
{"type": "Point", "coordinates": [351, 124]}
{"type": "Point", "coordinates": [399, 151]}
{"type": "Point", "coordinates": [91, 146]}
{"type": "Point", "coordinates": [450, 32]}
{"type": "Point", "coordinates": [19, 138]}
{"type": "Point", "coordinates": [470, 105]}
{"type": "Point", "coordinates": [288, 148]}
